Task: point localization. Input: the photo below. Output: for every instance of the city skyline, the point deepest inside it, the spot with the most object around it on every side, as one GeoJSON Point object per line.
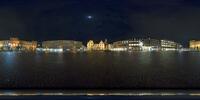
{"type": "Point", "coordinates": [147, 44]}
{"type": "Point", "coordinates": [107, 40]}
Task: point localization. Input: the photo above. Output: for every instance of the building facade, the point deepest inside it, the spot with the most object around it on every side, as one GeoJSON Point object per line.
{"type": "Point", "coordinates": [100, 46]}
{"type": "Point", "coordinates": [154, 43]}
{"type": "Point", "coordinates": [194, 44]}
{"type": "Point", "coordinates": [167, 44]}
{"type": "Point", "coordinates": [146, 45]}
{"type": "Point", "coordinates": [128, 45]}
{"type": "Point", "coordinates": [66, 45]}
{"type": "Point", "coordinates": [28, 45]}
{"type": "Point", "coordinates": [16, 44]}
{"type": "Point", "coordinates": [90, 45]}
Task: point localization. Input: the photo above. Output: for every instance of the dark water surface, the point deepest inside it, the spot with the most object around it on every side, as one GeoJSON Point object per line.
{"type": "Point", "coordinates": [100, 70]}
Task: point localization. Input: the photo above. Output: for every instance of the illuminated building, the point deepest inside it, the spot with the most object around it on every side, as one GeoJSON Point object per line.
{"type": "Point", "coordinates": [100, 46]}
{"type": "Point", "coordinates": [66, 45]}
{"type": "Point", "coordinates": [1, 44]}
{"type": "Point", "coordinates": [90, 45]}
{"type": "Point", "coordinates": [170, 45]}
{"type": "Point", "coordinates": [153, 43]}
{"type": "Point", "coordinates": [120, 45]}
{"type": "Point", "coordinates": [135, 45]}
{"type": "Point", "coordinates": [145, 45]}
{"type": "Point", "coordinates": [195, 45]}
{"type": "Point", "coordinates": [28, 45]}
{"type": "Point", "coordinates": [16, 44]}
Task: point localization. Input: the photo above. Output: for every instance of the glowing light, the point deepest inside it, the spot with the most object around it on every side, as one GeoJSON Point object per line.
{"type": "Point", "coordinates": [89, 17]}
{"type": "Point", "coordinates": [118, 49]}
{"type": "Point", "coordinates": [49, 50]}
{"type": "Point", "coordinates": [147, 48]}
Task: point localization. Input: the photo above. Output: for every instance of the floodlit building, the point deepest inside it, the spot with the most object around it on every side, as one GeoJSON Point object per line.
{"type": "Point", "coordinates": [100, 46]}
{"type": "Point", "coordinates": [154, 43]}
{"type": "Point", "coordinates": [194, 44]}
{"type": "Point", "coordinates": [120, 44]}
{"type": "Point", "coordinates": [66, 45]}
{"type": "Point", "coordinates": [16, 44]}
{"type": "Point", "coordinates": [28, 45]}
{"type": "Point", "coordinates": [5, 45]}
{"type": "Point", "coordinates": [135, 45]}
{"type": "Point", "coordinates": [145, 45]}
{"type": "Point", "coordinates": [128, 45]}
{"type": "Point", "coordinates": [90, 45]}
{"type": "Point", "coordinates": [169, 45]}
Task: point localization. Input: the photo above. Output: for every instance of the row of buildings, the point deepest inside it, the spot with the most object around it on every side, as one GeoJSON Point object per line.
{"type": "Point", "coordinates": [135, 45]}
{"type": "Point", "coordinates": [16, 44]}
{"type": "Point", "coordinates": [71, 45]}
{"type": "Point", "coordinates": [63, 45]}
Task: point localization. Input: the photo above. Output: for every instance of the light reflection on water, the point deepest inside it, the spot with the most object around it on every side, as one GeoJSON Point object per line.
{"type": "Point", "coordinates": [9, 59]}
{"type": "Point", "coordinates": [8, 62]}
{"type": "Point", "coordinates": [100, 70]}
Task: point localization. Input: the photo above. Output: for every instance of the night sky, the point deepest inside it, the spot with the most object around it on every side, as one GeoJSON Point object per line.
{"type": "Point", "coordinates": [177, 20]}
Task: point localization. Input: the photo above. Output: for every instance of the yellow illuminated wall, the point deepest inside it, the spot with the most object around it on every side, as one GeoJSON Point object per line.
{"type": "Point", "coordinates": [101, 46]}
{"type": "Point", "coordinates": [195, 44]}
{"type": "Point", "coordinates": [14, 43]}
{"type": "Point", "coordinates": [28, 45]}
{"type": "Point", "coordinates": [1, 44]}
{"type": "Point", "coordinates": [90, 45]}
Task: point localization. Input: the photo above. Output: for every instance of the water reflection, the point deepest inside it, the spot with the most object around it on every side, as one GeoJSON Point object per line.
{"type": "Point", "coordinates": [8, 59]}
{"type": "Point", "coordinates": [145, 58]}
{"type": "Point", "coordinates": [100, 69]}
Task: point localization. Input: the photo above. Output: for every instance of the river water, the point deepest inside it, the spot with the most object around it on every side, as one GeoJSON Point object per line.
{"type": "Point", "coordinates": [105, 70]}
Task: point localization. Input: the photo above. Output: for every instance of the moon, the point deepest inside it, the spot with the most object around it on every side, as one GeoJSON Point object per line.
{"type": "Point", "coordinates": [89, 17]}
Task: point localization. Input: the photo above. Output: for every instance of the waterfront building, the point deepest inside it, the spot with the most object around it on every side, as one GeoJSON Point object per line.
{"type": "Point", "coordinates": [128, 45]}
{"type": "Point", "coordinates": [145, 45]}
{"type": "Point", "coordinates": [16, 44]}
{"type": "Point", "coordinates": [28, 45]}
{"type": "Point", "coordinates": [1, 44]}
{"type": "Point", "coordinates": [90, 45]}
{"type": "Point", "coordinates": [194, 44]}
{"type": "Point", "coordinates": [170, 45]}
{"type": "Point", "coordinates": [120, 44]}
{"type": "Point", "coordinates": [153, 43]}
{"type": "Point", "coordinates": [135, 45]}
{"type": "Point", "coordinates": [100, 46]}
{"type": "Point", "coordinates": [109, 47]}
{"type": "Point", "coordinates": [5, 45]}
{"type": "Point", "coordinates": [66, 45]}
